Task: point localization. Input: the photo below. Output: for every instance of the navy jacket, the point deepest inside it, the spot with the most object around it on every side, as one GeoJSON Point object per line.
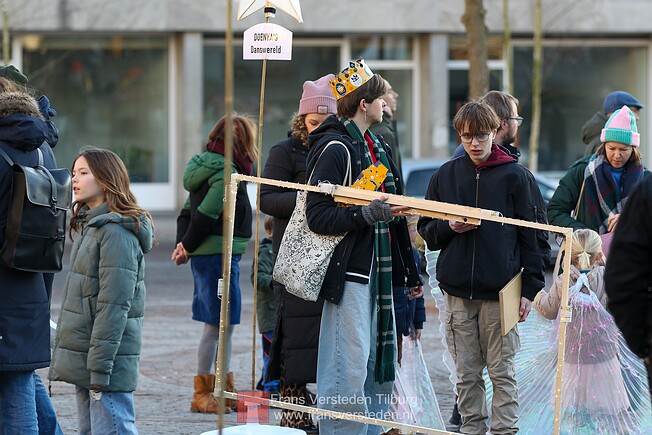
{"type": "Point", "coordinates": [478, 263]}
{"type": "Point", "coordinates": [352, 258]}
{"type": "Point", "coordinates": [24, 296]}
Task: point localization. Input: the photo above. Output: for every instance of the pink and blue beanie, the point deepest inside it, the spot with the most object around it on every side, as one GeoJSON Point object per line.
{"type": "Point", "coordinates": [621, 128]}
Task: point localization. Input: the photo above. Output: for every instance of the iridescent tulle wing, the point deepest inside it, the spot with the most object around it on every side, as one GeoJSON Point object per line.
{"type": "Point", "coordinates": [431, 260]}
{"type": "Point", "coordinates": [414, 400]}
{"type": "Point", "coordinates": [604, 387]}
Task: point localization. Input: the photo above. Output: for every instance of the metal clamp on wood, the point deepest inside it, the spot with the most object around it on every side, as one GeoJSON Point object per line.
{"type": "Point", "coordinates": [566, 314]}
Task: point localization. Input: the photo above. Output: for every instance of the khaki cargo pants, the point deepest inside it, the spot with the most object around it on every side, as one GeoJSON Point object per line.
{"type": "Point", "coordinates": [474, 341]}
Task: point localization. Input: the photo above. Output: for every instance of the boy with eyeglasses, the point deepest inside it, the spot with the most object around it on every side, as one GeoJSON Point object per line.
{"type": "Point", "coordinates": [476, 262]}
{"type": "Point", "coordinates": [506, 107]}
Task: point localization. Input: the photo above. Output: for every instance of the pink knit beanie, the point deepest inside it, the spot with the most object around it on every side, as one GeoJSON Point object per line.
{"type": "Point", "coordinates": [318, 97]}
{"type": "Point", "coordinates": [621, 128]}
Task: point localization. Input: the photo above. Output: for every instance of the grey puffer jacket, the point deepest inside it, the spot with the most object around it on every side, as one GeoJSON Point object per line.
{"type": "Point", "coordinates": [100, 326]}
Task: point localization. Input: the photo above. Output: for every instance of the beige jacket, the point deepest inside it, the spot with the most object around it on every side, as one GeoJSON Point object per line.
{"type": "Point", "coordinates": [548, 303]}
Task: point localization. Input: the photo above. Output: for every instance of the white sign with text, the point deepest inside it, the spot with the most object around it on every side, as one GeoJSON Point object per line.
{"type": "Point", "coordinates": [267, 41]}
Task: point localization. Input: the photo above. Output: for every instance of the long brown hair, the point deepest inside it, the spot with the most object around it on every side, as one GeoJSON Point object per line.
{"type": "Point", "coordinates": [111, 174]}
{"type": "Point", "coordinates": [244, 135]}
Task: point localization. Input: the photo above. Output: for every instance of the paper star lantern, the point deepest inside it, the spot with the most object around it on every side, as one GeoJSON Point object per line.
{"type": "Point", "coordinates": [291, 7]}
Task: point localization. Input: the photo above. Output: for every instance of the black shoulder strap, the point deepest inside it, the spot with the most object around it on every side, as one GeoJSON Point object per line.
{"type": "Point", "coordinates": [7, 159]}
{"type": "Point", "coordinates": [40, 157]}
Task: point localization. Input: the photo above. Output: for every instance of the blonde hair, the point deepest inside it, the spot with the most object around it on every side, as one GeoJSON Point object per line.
{"type": "Point", "coordinates": [586, 246]}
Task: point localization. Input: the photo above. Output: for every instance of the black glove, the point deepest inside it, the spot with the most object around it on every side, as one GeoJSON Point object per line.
{"type": "Point", "coordinates": [377, 211]}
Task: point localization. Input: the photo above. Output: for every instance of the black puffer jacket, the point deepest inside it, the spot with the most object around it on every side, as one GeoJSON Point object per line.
{"type": "Point", "coordinates": [296, 335]}
{"type": "Point", "coordinates": [628, 276]}
{"type": "Point", "coordinates": [478, 263]}
{"type": "Point", "coordinates": [352, 257]}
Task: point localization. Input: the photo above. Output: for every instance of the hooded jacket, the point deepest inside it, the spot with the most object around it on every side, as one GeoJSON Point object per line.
{"type": "Point", "coordinates": [477, 264]}
{"type": "Point", "coordinates": [591, 132]}
{"type": "Point", "coordinates": [100, 326]}
{"type": "Point", "coordinates": [24, 296]}
{"type": "Point", "coordinates": [628, 276]}
{"type": "Point", "coordinates": [352, 257]}
{"type": "Point", "coordinates": [199, 226]}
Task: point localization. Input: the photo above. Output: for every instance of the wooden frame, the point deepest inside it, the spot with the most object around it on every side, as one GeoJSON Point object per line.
{"type": "Point", "coordinates": [421, 207]}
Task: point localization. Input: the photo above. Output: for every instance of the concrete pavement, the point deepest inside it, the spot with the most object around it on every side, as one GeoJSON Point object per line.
{"type": "Point", "coordinates": [170, 338]}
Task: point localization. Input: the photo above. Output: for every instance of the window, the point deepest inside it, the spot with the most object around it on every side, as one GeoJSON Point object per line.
{"type": "Point", "coordinates": [401, 81]}
{"type": "Point", "coordinates": [284, 86]}
{"type": "Point", "coordinates": [382, 47]}
{"type": "Point", "coordinates": [110, 92]}
{"type": "Point", "coordinates": [395, 57]}
{"type": "Point", "coordinates": [576, 78]}
{"type": "Point", "coordinates": [458, 82]}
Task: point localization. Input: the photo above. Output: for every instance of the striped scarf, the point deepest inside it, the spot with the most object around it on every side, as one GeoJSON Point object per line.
{"type": "Point", "coordinates": [601, 197]}
{"type": "Point", "coordinates": [384, 370]}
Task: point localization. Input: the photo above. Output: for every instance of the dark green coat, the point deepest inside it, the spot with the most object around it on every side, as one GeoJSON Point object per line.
{"type": "Point", "coordinates": [201, 234]}
{"type": "Point", "coordinates": [100, 326]}
{"type": "Point", "coordinates": [265, 300]}
{"type": "Point", "coordinates": [565, 198]}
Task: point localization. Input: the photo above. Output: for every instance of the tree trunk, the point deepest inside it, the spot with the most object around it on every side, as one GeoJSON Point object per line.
{"type": "Point", "coordinates": [537, 55]}
{"type": "Point", "coordinates": [476, 44]}
{"type": "Point", "coordinates": [6, 52]}
{"type": "Point", "coordinates": [507, 41]}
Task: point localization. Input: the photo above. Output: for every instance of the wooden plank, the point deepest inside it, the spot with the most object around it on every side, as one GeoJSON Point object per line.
{"type": "Point", "coordinates": [510, 304]}
{"type": "Point", "coordinates": [442, 210]}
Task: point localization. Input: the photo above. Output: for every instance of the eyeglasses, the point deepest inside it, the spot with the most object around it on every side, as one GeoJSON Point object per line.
{"type": "Point", "coordinates": [519, 120]}
{"type": "Point", "coordinates": [468, 138]}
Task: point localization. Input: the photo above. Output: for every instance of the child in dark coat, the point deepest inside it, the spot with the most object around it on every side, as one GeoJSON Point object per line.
{"type": "Point", "coordinates": [266, 303]}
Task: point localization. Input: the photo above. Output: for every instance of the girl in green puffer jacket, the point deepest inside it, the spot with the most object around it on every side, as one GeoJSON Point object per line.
{"type": "Point", "coordinates": [100, 326]}
{"type": "Point", "coordinates": [199, 238]}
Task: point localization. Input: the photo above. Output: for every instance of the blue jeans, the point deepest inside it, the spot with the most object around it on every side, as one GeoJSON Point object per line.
{"type": "Point", "coordinates": [18, 403]}
{"type": "Point", "coordinates": [47, 417]}
{"type": "Point", "coordinates": [345, 364]}
{"type": "Point", "coordinates": [105, 412]}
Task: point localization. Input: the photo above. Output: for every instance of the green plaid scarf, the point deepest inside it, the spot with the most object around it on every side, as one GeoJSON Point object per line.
{"type": "Point", "coordinates": [384, 370]}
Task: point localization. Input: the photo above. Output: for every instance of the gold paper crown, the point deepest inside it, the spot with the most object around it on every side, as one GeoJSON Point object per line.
{"type": "Point", "coordinates": [351, 78]}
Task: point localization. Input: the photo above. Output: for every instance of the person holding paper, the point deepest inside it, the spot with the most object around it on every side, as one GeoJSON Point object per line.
{"type": "Point", "coordinates": [476, 261]}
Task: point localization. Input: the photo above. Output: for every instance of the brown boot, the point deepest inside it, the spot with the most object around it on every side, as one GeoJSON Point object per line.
{"type": "Point", "coordinates": [230, 386]}
{"type": "Point", "coordinates": [203, 399]}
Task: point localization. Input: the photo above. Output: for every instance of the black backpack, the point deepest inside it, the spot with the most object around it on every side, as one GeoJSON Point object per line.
{"type": "Point", "coordinates": [36, 219]}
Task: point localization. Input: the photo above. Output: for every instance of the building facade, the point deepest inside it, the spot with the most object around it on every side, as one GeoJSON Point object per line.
{"type": "Point", "coordinates": [146, 78]}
